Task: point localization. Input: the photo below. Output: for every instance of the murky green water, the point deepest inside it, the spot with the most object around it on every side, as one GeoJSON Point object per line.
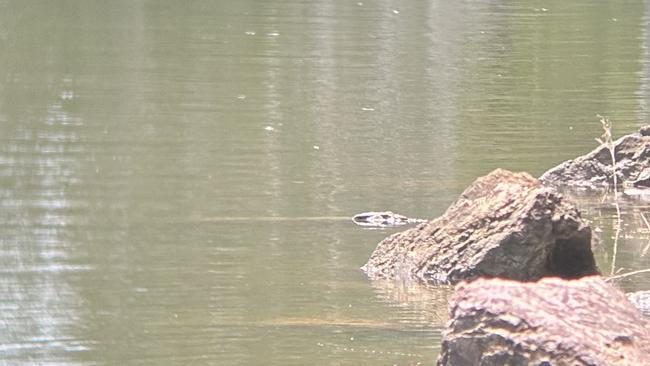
{"type": "Point", "coordinates": [176, 178]}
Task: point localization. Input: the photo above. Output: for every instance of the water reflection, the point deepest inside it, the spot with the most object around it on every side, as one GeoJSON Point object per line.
{"type": "Point", "coordinates": [643, 94]}
{"type": "Point", "coordinates": [41, 304]}
{"type": "Point", "coordinates": [538, 78]}
{"type": "Point", "coordinates": [125, 126]}
{"type": "Point", "coordinates": [427, 305]}
{"type": "Point", "coordinates": [632, 242]}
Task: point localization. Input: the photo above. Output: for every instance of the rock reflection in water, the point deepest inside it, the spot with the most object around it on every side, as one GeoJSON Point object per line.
{"type": "Point", "coordinates": [626, 251]}
{"type": "Point", "coordinates": [427, 304]}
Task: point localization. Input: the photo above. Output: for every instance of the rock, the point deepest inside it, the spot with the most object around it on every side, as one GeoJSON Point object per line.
{"type": "Point", "coordinates": [640, 300]}
{"type": "Point", "coordinates": [594, 170]}
{"type": "Point", "coordinates": [551, 322]}
{"type": "Point", "coordinates": [645, 130]}
{"type": "Point", "coordinates": [642, 180]}
{"type": "Point", "coordinates": [504, 225]}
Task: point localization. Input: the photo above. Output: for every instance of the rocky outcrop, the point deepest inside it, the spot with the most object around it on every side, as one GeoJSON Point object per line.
{"type": "Point", "coordinates": [551, 322]}
{"type": "Point", "coordinates": [504, 225]}
{"type": "Point", "coordinates": [594, 170]}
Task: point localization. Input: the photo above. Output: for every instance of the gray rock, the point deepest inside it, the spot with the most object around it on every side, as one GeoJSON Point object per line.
{"type": "Point", "coordinates": [642, 180]}
{"type": "Point", "coordinates": [645, 130]}
{"type": "Point", "coordinates": [640, 300]}
{"type": "Point", "coordinates": [593, 171]}
{"type": "Point", "coordinates": [551, 322]}
{"type": "Point", "coordinates": [504, 225]}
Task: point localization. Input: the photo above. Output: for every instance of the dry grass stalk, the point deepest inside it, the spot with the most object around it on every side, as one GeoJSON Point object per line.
{"type": "Point", "coordinates": [627, 274]}
{"type": "Point", "coordinates": [606, 140]}
{"type": "Point", "coordinates": [647, 224]}
{"type": "Point", "coordinates": [632, 273]}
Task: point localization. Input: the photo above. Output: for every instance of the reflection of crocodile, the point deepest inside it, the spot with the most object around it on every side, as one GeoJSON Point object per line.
{"type": "Point", "coordinates": [383, 219]}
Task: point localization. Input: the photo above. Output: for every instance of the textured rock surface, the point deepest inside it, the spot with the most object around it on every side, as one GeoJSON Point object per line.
{"type": "Point", "coordinates": [551, 322]}
{"type": "Point", "coordinates": [504, 225]}
{"type": "Point", "coordinates": [594, 170]}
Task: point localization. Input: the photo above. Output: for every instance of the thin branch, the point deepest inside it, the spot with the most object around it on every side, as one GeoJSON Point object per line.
{"type": "Point", "coordinates": [615, 250]}
{"type": "Point", "coordinates": [647, 224]}
{"type": "Point", "coordinates": [627, 274]}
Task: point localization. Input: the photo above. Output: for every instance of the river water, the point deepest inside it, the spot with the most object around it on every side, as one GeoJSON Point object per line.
{"type": "Point", "coordinates": [176, 178]}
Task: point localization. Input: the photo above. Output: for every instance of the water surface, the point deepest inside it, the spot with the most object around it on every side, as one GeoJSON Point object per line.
{"type": "Point", "coordinates": [176, 178]}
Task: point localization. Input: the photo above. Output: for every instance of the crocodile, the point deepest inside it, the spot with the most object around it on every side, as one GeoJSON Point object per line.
{"type": "Point", "coordinates": [383, 219]}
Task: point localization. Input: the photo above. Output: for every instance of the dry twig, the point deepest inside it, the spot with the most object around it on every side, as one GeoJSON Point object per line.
{"type": "Point", "coordinates": [627, 274]}
{"type": "Point", "coordinates": [647, 224]}
{"type": "Point", "coordinates": [606, 140]}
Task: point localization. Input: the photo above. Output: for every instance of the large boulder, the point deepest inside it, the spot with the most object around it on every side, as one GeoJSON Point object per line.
{"type": "Point", "coordinates": [551, 322]}
{"type": "Point", "coordinates": [593, 171]}
{"type": "Point", "coordinates": [504, 225]}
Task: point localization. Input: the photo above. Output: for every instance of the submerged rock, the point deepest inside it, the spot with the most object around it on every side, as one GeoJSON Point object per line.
{"type": "Point", "coordinates": [593, 171]}
{"type": "Point", "coordinates": [551, 322]}
{"type": "Point", "coordinates": [504, 225]}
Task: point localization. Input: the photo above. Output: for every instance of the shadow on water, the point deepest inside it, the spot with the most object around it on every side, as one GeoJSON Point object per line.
{"type": "Point", "coordinates": [632, 249]}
